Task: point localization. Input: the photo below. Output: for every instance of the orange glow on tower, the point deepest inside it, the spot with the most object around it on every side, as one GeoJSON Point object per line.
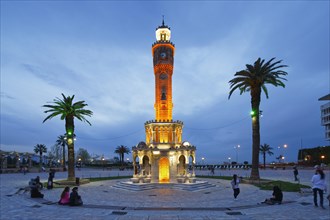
{"type": "Point", "coordinates": [164, 170]}
{"type": "Point", "coordinates": [163, 58]}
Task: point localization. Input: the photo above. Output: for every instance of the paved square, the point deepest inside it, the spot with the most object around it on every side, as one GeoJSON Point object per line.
{"type": "Point", "coordinates": [103, 201]}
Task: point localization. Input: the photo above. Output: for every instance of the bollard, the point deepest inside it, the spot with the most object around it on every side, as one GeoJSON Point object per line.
{"type": "Point", "coordinates": [77, 181]}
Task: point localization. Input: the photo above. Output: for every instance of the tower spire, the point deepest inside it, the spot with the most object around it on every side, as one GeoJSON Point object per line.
{"type": "Point", "coordinates": [163, 21]}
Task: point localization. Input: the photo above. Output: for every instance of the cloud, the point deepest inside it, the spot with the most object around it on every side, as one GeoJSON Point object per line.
{"type": "Point", "coordinates": [5, 96]}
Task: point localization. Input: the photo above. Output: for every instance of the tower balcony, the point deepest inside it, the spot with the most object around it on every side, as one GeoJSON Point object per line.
{"type": "Point", "coordinates": [163, 122]}
{"type": "Point", "coordinates": [163, 42]}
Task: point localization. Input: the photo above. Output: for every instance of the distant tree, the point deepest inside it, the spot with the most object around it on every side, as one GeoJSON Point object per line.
{"type": "Point", "coordinates": [265, 149]}
{"type": "Point", "coordinates": [68, 110]}
{"type": "Point", "coordinates": [40, 149]}
{"type": "Point", "coordinates": [61, 141]}
{"type": "Point", "coordinates": [83, 155]}
{"type": "Point", "coordinates": [116, 159]}
{"type": "Point", "coordinates": [121, 150]}
{"type": "Point", "coordinates": [246, 162]}
{"type": "Point", "coordinates": [253, 80]}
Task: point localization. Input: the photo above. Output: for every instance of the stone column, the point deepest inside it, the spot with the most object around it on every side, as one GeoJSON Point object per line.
{"type": "Point", "coordinates": [193, 165]}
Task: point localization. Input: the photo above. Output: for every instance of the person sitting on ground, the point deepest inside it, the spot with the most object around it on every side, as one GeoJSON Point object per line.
{"type": "Point", "coordinates": [75, 199]}
{"type": "Point", "coordinates": [277, 196]}
{"type": "Point", "coordinates": [65, 196]}
{"type": "Point", "coordinates": [34, 189]}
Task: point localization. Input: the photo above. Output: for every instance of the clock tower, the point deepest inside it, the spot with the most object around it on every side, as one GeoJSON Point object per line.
{"type": "Point", "coordinates": [163, 157]}
{"type": "Point", "coordinates": [163, 58]}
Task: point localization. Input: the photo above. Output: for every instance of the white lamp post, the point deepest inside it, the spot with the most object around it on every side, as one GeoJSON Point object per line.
{"type": "Point", "coordinates": [237, 147]}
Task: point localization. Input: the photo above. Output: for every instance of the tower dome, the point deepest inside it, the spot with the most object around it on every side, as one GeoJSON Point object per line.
{"type": "Point", "coordinates": [163, 32]}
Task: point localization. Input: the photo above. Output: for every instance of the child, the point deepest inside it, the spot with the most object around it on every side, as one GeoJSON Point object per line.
{"type": "Point", "coordinates": [65, 196]}
{"type": "Point", "coordinates": [235, 186]}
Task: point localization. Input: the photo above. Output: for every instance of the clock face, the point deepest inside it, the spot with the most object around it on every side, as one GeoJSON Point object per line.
{"type": "Point", "coordinates": [163, 55]}
{"type": "Point", "coordinates": [163, 76]}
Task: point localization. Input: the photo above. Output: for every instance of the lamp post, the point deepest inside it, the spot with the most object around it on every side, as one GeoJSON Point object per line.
{"type": "Point", "coordinates": [203, 160]}
{"type": "Point", "coordinates": [284, 147]}
{"type": "Point", "coordinates": [102, 162]}
{"type": "Point", "coordinates": [322, 158]}
{"type": "Point", "coordinates": [237, 147]}
{"type": "Point", "coordinates": [229, 158]}
{"type": "Point", "coordinates": [79, 163]}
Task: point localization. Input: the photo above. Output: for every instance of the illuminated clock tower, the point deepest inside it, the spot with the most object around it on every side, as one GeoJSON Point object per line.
{"type": "Point", "coordinates": [163, 157]}
{"type": "Point", "coordinates": [163, 58]}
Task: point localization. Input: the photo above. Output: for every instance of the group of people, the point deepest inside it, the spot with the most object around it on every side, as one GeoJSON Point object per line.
{"type": "Point", "coordinates": [73, 198]}
{"type": "Point", "coordinates": [319, 186]}
{"type": "Point", "coordinates": [67, 198]}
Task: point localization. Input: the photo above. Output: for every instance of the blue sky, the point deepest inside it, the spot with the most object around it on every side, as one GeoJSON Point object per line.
{"type": "Point", "coordinates": [100, 51]}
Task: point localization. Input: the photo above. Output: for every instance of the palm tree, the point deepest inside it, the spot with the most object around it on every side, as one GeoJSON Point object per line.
{"type": "Point", "coordinates": [68, 110]}
{"type": "Point", "coordinates": [265, 149]}
{"type": "Point", "coordinates": [61, 141]}
{"type": "Point", "coordinates": [254, 79]}
{"type": "Point", "coordinates": [40, 149]}
{"type": "Point", "coordinates": [121, 150]}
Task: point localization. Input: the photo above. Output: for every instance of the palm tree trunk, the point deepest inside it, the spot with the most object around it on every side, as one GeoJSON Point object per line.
{"type": "Point", "coordinates": [69, 126]}
{"type": "Point", "coordinates": [255, 102]}
{"type": "Point", "coordinates": [71, 171]}
{"type": "Point", "coordinates": [64, 168]}
{"type": "Point", "coordinates": [40, 161]}
{"type": "Point", "coordinates": [264, 157]}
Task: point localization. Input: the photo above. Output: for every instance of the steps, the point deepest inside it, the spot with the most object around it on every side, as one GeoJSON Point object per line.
{"type": "Point", "coordinates": [128, 185]}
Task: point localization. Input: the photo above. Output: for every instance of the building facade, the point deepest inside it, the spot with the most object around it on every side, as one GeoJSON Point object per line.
{"type": "Point", "coordinates": [325, 115]}
{"type": "Point", "coordinates": [163, 157]}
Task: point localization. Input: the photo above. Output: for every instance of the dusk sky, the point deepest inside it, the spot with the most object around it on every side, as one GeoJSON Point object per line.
{"type": "Point", "coordinates": [100, 51]}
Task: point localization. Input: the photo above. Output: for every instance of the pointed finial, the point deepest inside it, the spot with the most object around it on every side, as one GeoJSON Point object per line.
{"type": "Point", "coordinates": [163, 21]}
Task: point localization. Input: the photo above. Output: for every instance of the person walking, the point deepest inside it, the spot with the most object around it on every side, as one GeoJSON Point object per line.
{"type": "Point", "coordinates": [319, 185]}
{"type": "Point", "coordinates": [235, 186]}
{"type": "Point", "coordinates": [295, 173]}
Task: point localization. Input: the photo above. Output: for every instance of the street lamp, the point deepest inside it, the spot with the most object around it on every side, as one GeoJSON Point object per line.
{"type": "Point", "coordinates": [102, 161]}
{"type": "Point", "coordinates": [237, 147]}
{"type": "Point", "coordinates": [229, 158]}
{"type": "Point", "coordinates": [322, 158]}
{"type": "Point", "coordinates": [203, 160]}
{"type": "Point", "coordinates": [79, 163]}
